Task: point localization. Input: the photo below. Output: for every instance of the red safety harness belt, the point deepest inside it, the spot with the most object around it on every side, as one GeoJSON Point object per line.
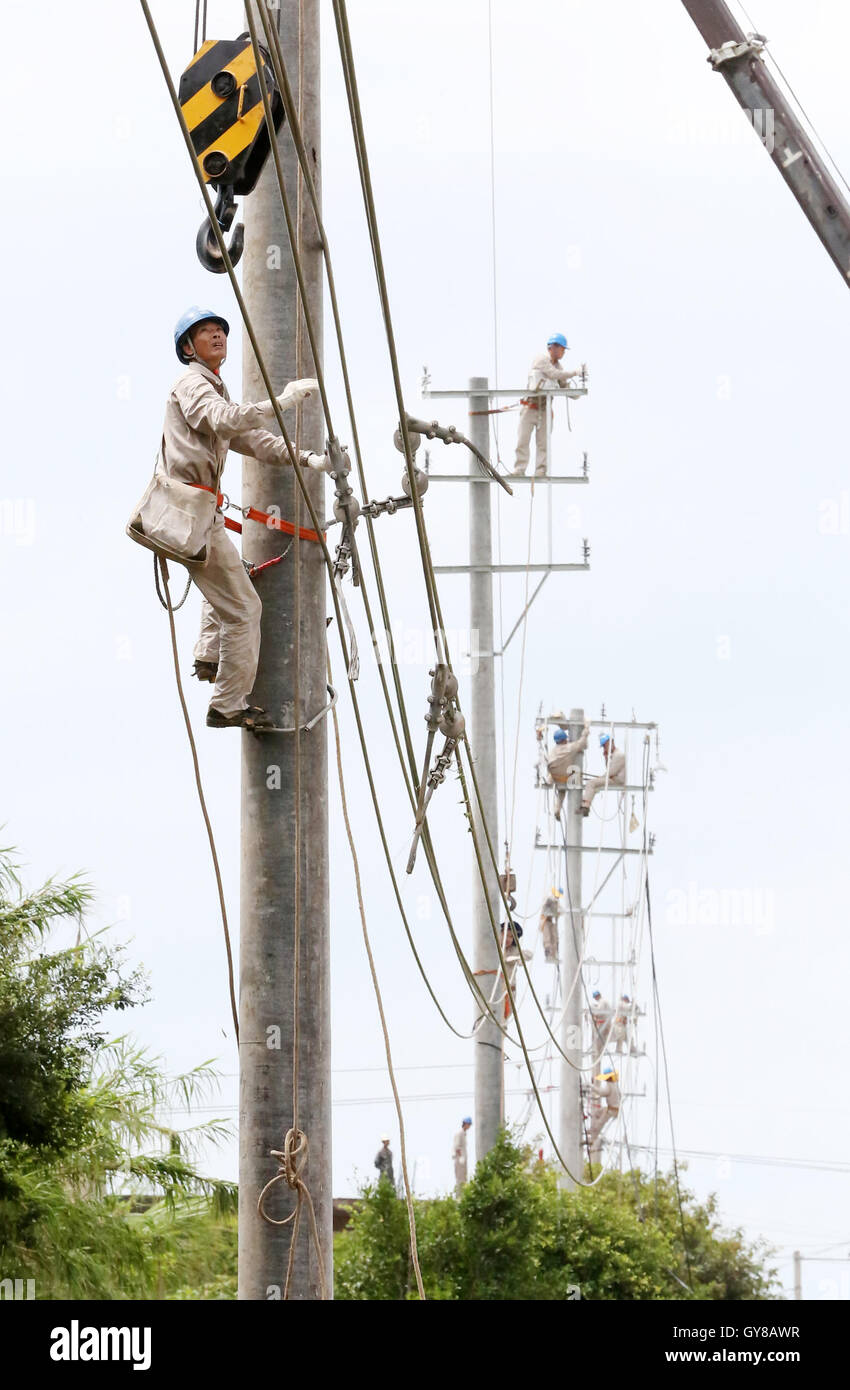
{"type": "Point", "coordinates": [274, 523]}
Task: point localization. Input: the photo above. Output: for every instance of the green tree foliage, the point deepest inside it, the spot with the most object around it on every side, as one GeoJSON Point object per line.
{"type": "Point", "coordinates": [513, 1234]}
{"type": "Point", "coordinates": [98, 1198]}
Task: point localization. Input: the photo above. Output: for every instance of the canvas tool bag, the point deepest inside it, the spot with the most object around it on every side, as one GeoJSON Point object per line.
{"type": "Point", "coordinates": [174, 518]}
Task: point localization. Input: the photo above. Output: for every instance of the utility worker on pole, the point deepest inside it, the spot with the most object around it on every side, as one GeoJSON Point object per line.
{"type": "Point", "coordinates": [605, 1104]}
{"type": "Point", "coordinates": [201, 424]}
{"type": "Point", "coordinates": [600, 1018]}
{"type": "Point", "coordinates": [614, 777]}
{"type": "Point", "coordinates": [621, 1029]}
{"type": "Point", "coordinates": [561, 761]}
{"type": "Point", "coordinates": [549, 926]}
{"type": "Point", "coordinates": [384, 1161]}
{"type": "Point", "coordinates": [536, 410]}
{"type": "Point", "coordinates": [459, 1154]}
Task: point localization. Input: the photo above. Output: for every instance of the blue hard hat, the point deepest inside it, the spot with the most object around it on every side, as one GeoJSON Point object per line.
{"type": "Point", "coordinates": [557, 340]}
{"type": "Point", "coordinates": [603, 739]}
{"type": "Point", "coordinates": [467, 1120]}
{"type": "Point", "coordinates": [190, 319]}
{"type": "Point", "coordinates": [560, 736]}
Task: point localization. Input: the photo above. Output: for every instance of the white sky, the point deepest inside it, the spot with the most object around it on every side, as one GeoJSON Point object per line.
{"type": "Point", "coordinates": [636, 212]}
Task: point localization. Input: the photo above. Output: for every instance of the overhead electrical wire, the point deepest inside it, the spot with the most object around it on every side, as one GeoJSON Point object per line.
{"type": "Point", "coordinates": [439, 634]}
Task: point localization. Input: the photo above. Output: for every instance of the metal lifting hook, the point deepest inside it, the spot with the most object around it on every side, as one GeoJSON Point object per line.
{"type": "Point", "coordinates": [209, 252]}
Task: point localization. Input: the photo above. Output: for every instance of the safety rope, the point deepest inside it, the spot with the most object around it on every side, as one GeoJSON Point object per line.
{"type": "Point", "coordinates": [177, 606]}
{"type": "Point", "coordinates": [164, 569]}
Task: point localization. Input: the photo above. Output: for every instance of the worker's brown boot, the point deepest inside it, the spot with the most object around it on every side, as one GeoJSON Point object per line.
{"type": "Point", "coordinates": [251, 718]}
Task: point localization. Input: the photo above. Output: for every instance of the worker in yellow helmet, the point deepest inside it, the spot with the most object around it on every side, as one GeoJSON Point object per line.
{"type": "Point", "coordinates": [605, 1104]}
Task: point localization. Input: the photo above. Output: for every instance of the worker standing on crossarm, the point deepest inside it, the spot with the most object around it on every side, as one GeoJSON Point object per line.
{"type": "Point", "coordinates": [536, 409]}
{"type": "Point", "coordinates": [201, 424]}
{"type": "Point", "coordinates": [384, 1162]}
{"type": "Point", "coordinates": [614, 777]}
{"type": "Point", "coordinates": [562, 761]}
{"type": "Point", "coordinates": [600, 1018]}
{"type": "Point", "coordinates": [459, 1154]}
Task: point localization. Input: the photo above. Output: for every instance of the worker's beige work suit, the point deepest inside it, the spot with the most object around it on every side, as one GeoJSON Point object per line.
{"type": "Point", "coordinates": [201, 424]}
{"type": "Point", "coordinates": [600, 1018]}
{"type": "Point", "coordinates": [460, 1159]}
{"type": "Point", "coordinates": [621, 1028]}
{"type": "Point", "coordinates": [616, 777]}
{"type": "Point", "coordinates": [561, 762]}
{"type": "Point", "coordinates": [549, 928]}
{"type": "Point", "coordinates": [537, 415]}
{"type": "Point", "coordinates": [609, 1092]}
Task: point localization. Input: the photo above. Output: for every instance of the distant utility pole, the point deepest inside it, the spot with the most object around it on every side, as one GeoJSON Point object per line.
{"type": "Point", "coordinates": [489, 1069]}
{"type": "Point", "coordinates": [489, 1042]}
{"type": "Point", "coordinates": [269, 808]}
{"type": "Point", "coordinates": [573, 990]}
{"type": "Point", "coordinates": [571, 1132]}
{"type": "Point", "coordinates": [798, 1274]}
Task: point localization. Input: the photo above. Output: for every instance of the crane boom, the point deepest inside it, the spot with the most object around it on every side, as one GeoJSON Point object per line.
{"type": "Point", "coordinates": [738, 57]}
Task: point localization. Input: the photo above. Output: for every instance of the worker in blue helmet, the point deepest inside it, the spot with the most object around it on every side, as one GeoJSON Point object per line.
{"type": "Point", "coordinates": [613, 776]}
{"type": "Point", "coordinates": [535, 416]}
{"type": "Point", "coordinates": [201, 425]}
{"type": "Point", "coordinates": [460, 1157]}
{"type": "Point", "coordinates": [622, 1030]}
{"type": "Point", "coordinates": [564, 762]}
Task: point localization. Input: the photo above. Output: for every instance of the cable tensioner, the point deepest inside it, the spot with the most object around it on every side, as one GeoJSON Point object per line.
{"type": "Point", "coordinates": [443, 717]}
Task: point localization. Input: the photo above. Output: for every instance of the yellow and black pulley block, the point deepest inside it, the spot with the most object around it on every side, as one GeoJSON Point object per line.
{"type": "Point", "coordinates": [222, 104]}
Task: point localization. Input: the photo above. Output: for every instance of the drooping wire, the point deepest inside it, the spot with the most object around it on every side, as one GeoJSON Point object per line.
{"type": "Point", "coordinates": [201, 798]}
{"type": "Point", "coordinates": [411, 1217]}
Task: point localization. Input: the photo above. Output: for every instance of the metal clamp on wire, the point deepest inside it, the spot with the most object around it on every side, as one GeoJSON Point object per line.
{"type": "Point", "coordinates": [346, 509]}
{"type": "Point", "coordinates": [347, 513]}
{"type": "Point", "coordinates": [449, 435]}
{"type": "Point", "coordinates": [444, 717]}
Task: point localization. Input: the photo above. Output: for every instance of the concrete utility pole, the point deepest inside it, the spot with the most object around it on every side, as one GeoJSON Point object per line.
{"type": "Point", "coordinates": [738, 57]}
{"type": "Point", "coordinates": [269, 808]}
{"type": "Point", "coordinates": [489, 1069]}
{"type": "Point", "coordinates": [571, 1134]}
{"type": "Point", "coordinates": [798, 1274]}
{"type": "Point", "coordinates": [489, 1051]}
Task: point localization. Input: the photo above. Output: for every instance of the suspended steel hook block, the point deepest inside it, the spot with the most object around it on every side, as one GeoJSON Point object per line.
{"type": "Point", "coordinates": [222, 105]}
